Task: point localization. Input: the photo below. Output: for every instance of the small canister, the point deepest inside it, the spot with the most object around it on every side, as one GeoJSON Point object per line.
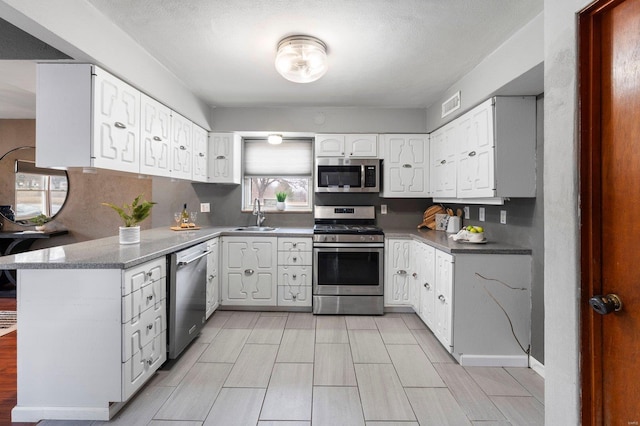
{"type": "Point", "coordinates": [454, 224]}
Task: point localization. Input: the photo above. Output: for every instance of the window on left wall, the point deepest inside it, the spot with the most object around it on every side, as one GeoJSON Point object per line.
{"type": "Point", "coordinates": [269, 169]}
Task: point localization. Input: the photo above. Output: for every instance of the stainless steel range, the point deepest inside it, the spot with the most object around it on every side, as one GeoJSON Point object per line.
{"type": "Point", "coordinates": [348, 261]}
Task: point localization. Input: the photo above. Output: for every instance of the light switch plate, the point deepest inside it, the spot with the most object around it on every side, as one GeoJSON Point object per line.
{"type": "Point", "coordinates": [481, 214]}
{"type": "Point", "coordinates": [205, 207]}
{"type": "Point", "coordinates": [467, 214]}
{"type": "Point", "coordinates": [383, 209]}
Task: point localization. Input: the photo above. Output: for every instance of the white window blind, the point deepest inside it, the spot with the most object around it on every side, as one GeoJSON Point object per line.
{"type": "Point", "coordinates": [290, 158]}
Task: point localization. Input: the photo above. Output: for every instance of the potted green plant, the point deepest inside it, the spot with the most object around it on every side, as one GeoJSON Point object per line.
{"type": "Point", "coordinates": [280, 197]}
{"type": "Point", "coordinates": [132, 214]}
{"type": "Point", "coordinates": [39, 221]}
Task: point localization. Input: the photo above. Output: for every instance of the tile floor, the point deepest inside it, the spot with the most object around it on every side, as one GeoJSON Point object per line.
{"type": "Point", "coordinates": [293, 369]}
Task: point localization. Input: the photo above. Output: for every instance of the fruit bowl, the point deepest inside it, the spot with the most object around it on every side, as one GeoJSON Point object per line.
{"type": "Point", "coordinates": [472, 234]}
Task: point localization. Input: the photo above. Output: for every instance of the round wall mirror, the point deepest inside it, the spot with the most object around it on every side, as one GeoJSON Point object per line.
{"type": "Point", "coordinates": [31, 190]}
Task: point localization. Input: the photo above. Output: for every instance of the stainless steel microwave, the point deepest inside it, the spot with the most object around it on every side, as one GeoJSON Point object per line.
{"type": "Point", "coordinates": [347, 175]}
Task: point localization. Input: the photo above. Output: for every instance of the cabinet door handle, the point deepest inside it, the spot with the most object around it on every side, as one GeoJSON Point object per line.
{"type": "Point", "coordinates": [295, 245]}
{"type": "Point", "coordinates": [150, 327]}
{"type": "Point", "coordinates": [220, 157]}
{"type": "Point", "coordinates": [294, 276]}
{"type": "Point", "coordinates": [200, 154]}
{"type": "Point", "coordinates": [441, 298]}
{"type": "Point", "coordinates": [249, 271]}
{"type": "Point", "coordinates": [472, 154]}
{"type": "Point", "coordinates": [414, 275]}
{"type": "Point", "coordinates": [150, 298]}
{"type": "Point", "coordinates": [182, 147]}
{"type": "Point", "coordinates": [402, 272]}
{"type": "Point", "coordinates": [443, 162]}
{"type": "Point", "coordinates": [211, 277]}
{"type": "Point", "coordinates": [149, 274]}
{"type": "Point", "coordinates": [149, 362]}
{"type": "Point", "coordinates": [295, 259]}
{"type": "Point", "coordinates": [294, 297]}
{"type": "Point", "coordinates": [427, 286]}
{"type": "Point", "coordinates": [407, 166]}
{"type": "Point", "coordinates": [119, 125]}
{"type": "Point", "coordinates": [157, 138]}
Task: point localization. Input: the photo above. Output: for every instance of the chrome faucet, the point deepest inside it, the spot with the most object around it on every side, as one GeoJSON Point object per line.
{"type": "Point", "coordinates": [258, 212]}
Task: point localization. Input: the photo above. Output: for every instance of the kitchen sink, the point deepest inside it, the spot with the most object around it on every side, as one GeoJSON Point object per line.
{"type": "Point", "coordinates": [255, 228]}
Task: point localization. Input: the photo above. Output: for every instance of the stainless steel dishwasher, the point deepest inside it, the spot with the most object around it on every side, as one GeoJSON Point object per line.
{"type": "Point", "coordinates": [187, 296]}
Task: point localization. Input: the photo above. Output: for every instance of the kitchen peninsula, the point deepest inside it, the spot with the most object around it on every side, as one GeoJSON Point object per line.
{"type": "Point", "coordinates": [77, 306]}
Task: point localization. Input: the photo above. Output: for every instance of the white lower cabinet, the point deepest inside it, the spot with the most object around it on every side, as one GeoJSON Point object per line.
{"type": "Point", "coordinates": [213, 277]}
{"type": "Point", "coordinates": [96, 334]}
{"type": "Point", "coordinates": [398, 269]}
{"type": "Point", "coordinates": [295, 271]}
{"type": "Point", "coordinates": [249, 270]}
{"type": "Point", "coordinates": [477, 305]}
{"type": "Point", "coordinates": [443, 304]}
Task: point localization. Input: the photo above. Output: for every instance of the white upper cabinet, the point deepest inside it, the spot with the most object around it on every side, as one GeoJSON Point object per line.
{"type": "Point", "coordinates": [224, 158]}
{"type": "Point", "coordinates": [347, 145]}
{"type": "Point", "coordinates": [406, 166]}
{"type": "Point", "coordinates": [476, 153]}
{"type": "Point", "coordinates": [181, 147]}
{"type": "Point", "coordinates": [155, 134]}
{"type": "Point", "coordinates": [489, 154]}
{"type": "Point", "coordinates": [200, 153]}
{"type": "Point", "coordinates": [86, 117]}
{"type": "Point", "coordinates": [116, 124]}
{"type": "Point", "coordinates": [443, 161]}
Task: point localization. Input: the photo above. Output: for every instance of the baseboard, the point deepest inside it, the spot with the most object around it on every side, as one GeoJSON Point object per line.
{"type": "Point", "coordinates": [537, 366]}
{"type": "Point", "coordinates": [491, 360]}
{"type": "Point", "coordinates": [35, 414]}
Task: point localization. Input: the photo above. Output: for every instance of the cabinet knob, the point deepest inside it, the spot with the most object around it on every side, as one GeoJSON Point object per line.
{"type": "Point", "coordinates": [220, 157]}
{"type": "Point", "coordinates": [249, 271]}
{"type": "Point", "coordinates": [149, 274]}
{"type": "Point", "coordinates": [295, 245]}
{"type": "Point", "coordinates": [182, 147]}
{"type": "Point", "coordinates": [294, 297]}
{"type": "Point", "coordinates": [119, 125]}
{"type": "Point", "coordinates": [200, 154]}
{"type": "Point", "coordinates": [211, 277]}
{"type": "Point", "coordinates": [149, 362]}
{"type": "Point", "coordinates": [443, 162]}
{"type": "Point", "coordinates": [414, 275]}
{"type": "Point", "coordinates": [407, 166]}
{"type": "Point", "coordinates": [441, 298]}
{"type": "Point", "coordinates": [157, 138]}
{"type": "Point", "coordinates": [472, 154]}
{"type": "Point", "coordinates": [427, 286]}
{"type": "Point", "coordinates": [295, 259]}
{"type": "Point", "coordinates": [402, 272]}
{"type": "Point", "coordinates": [294, 276]}
{"type": "Point", "coordinates": [150, 297]}
{"type": "Point", "coordinates": [150, 327]}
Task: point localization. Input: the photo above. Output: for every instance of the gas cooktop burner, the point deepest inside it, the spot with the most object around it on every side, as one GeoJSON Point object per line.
{"type": "Point", "coordinates": [346, 229]}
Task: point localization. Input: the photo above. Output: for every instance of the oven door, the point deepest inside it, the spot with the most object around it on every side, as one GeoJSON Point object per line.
{"type": "Point", "coordinates": [348, 269]}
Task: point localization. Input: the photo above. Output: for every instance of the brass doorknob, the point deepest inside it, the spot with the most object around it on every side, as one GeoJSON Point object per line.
{"type": "Point", "coordinates": [606, 304]}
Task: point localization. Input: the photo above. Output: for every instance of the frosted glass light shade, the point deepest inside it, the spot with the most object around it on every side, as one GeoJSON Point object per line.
{"type": "Point", "coordinates": [274, 139]}
{"type": "Point", "coordinates": [301, 59]}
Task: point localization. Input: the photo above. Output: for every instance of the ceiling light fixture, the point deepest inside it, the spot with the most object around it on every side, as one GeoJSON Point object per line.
{"type": "Point", "coordinates": [274, 139]}
{"type": "Point", "coordinates": [301, 59]}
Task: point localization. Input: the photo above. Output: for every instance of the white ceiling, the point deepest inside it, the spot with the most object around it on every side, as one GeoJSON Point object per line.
{"type": "Point", "coordinates": [382, 53]}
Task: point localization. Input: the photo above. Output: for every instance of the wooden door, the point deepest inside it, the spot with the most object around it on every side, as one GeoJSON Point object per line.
{"type": "Point", "coordinates": [610, 199]}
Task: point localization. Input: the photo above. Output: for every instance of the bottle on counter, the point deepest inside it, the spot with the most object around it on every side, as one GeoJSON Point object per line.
{"type": "Point", "coordinates": [185, 214]}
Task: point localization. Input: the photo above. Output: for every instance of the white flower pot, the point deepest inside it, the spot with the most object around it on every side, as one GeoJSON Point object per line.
{"type": "Point", "coordinates": [40, 228]}
{"type": "Point", "coordinates": [129, 235]}
{"type": "Point", "coordinates": [280, 205]}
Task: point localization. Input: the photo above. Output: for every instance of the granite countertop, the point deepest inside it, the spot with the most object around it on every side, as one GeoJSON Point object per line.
{"type": "Point", "coordinates": [441, 241]}
{"type": "Point", "coordinates": [108, 253]}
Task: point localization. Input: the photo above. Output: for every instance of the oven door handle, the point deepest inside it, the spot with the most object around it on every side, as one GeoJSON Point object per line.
{"type": "Point", "coordinates": [184, 263]}
{"type": "Point", "coordinates": [348, 245]}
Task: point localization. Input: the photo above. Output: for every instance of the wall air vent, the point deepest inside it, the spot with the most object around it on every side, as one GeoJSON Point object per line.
{"type": "Point", "coordinates": [451, 104]}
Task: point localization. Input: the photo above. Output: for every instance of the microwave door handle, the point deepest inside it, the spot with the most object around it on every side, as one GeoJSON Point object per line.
{"type": "Point", "coordinates": [362, 175]}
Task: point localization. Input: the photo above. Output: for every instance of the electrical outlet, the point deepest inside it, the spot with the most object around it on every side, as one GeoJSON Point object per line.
{"type": "Point", "coordinates": [503, 217]}
{"type": "Point", "coordinates": [481, 214]}
{"type": "Point", "coordinates": [467, 214]}
{"type": "Point", "coordinates": [205, 207]}
{"type": "Point", "coordinates": [383, 209]}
